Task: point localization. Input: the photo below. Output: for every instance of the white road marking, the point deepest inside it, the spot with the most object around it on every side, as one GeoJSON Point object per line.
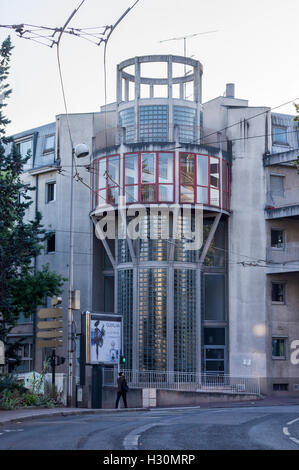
{"type": "Point", "coordinates": [288, 434]}
{"type": "Point", "coordinates": [131, 440]}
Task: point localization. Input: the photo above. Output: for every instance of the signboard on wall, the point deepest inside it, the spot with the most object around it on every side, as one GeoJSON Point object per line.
{"type": "Point", "coordinates": [103, 338]}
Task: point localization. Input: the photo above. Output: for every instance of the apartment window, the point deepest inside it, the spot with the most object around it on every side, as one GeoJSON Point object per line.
{"type": "Point", "coordinates": [280, 387]}
{"type": "Point", "coordinates": [25, 148]}
{"type": "Point", "coordinates": [279, 348]}
{"type": "Point", "coordinates": [279, 135]}
{"type": "Point", "coordinates": [278, 292]}
{"type": "Point", "coordinates": [277, 238]}
{"type": "Point", "coordinates": [49, 143]}
{"type": "Point", "coordinates": [277, 185]}
{"type": "Point", "coordinates": [51, 244]}
{"type": "Point", "coordinates": [51, 191]}
{"type": "Point", "coordinates": [25, 354]}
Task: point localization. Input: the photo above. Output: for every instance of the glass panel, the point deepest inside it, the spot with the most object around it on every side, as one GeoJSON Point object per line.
{"type": "Point", "coordinates": [214, 197]}
{"type": "Point", "coordinates": [148, 192]}
{"type": "Point", "coordinates": [185, 119]}
{"type": "Point", "coordinates": [166, 167]}
{"type": "Point", "coordinates": [214, 353]}
{"type": "Point", "coordinates": [214, 297]}
{"type": "Point", "coordinates": [148, 167]}
{"type": "Point", "coordinates": [182, 253]}
{"type": "Point", "coordinates": [131, 169]}
{"type": "Point", "coordinates": [165, 192]}
{"type": "Point", "coordinates": [187, 168]}
{"type": "Point", "coordinates": [127, 120]}
{"type": "Point", "coordinates": [26, 148]}
{"type": "Point", "coordinates": [102, 173]}
{"type": "Point", "coordinates": [153, 249]}
{"type": "Point", "coordinates": [125, 308]}
{"type": "Point", "coordinates": [280, 135]}
{"type": "Point", "coordinates": [277, 292]}
{"type": "Point", "coordinates": [203, 170]}
{"type": "Point", "coordinates": [113, 171]}
{"type": "Point", "coordinates": [278, 348]}
{"type": "Point", "coordinates": [131, 194]}
{"type": "Point", "coordinates": [277, 185]}
{"type": "Point", "coordinates": [214, 366]}
{"type": "Point", "coordinates": [185, 320]}
{"type": "Point", "coordinates": [214, 172]}
{"type": "Point", "coordinates": [277, 238]}
{"type": "Point", "coordinates": [49, 143]}
{"type": "Point", "coordinates": [153, 123]}
{"type": "Point", "coordinates": [202, 195]}
{"type": "Point", "coordinates": [102, 197]}
{"type": "Point", "coordinates": [112, 195]}
{"type": "Point", "coordinates": [187, 193]}
{"type": "Point", "coordinates": [152, 319]}
{"type": "Point", "coordinates": [214, 336]}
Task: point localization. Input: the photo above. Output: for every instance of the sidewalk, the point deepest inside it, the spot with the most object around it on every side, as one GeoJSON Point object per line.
{"type": "Point", "coordinates": [14, 416]}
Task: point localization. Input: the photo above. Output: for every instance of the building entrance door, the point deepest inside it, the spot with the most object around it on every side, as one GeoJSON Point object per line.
{"type": "Point", "coordinates": [214, 359]}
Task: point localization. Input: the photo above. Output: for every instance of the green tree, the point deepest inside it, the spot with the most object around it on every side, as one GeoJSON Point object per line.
{"type": "Point", "coordinates": [21, 288]}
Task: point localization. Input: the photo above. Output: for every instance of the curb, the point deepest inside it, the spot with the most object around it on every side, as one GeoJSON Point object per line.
{"type": "Point", "coordinates": [69, 413]}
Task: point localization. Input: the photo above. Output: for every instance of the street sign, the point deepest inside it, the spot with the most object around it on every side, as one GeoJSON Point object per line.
{"type": "Point", "coordinates": [49, 334]}
{"type": "Point", "coordinates": [50, 330]}
{"type": "Point", "coordinates": [50, 312]}
{"type": "Point", "coordinates": [44, 325]}
{"type": "Point", "coordinates": [54, 343]}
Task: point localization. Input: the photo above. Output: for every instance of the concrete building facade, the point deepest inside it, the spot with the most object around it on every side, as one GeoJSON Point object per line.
{"type": "Point", "coordinates": [227, 307]}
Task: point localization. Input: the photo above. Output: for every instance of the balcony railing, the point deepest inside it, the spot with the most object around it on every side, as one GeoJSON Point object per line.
{"type": "Point", "coordinates": [183, 381]}
{"type": "Point", "coordinates": [288, 197]}
{"type": "Point", "coordinates": [286, 253]}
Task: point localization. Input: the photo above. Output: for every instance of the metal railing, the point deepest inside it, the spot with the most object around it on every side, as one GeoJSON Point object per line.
{"type": "Point", "coordinates": [285, 253]}
{"type": "Point", "coordinates": [183, 381]}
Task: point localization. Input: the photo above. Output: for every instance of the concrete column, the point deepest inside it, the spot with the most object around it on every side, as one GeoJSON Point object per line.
{"type": "Point", "coordinates": [127, 95]}
{"type": "Point", "coordinates": [170, 101]}
{"type": "Point", "coordinates": [137, 98]}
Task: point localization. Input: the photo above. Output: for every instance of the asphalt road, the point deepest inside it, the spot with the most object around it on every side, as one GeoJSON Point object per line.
{"type": "Point", "coordinates": [243, 428]}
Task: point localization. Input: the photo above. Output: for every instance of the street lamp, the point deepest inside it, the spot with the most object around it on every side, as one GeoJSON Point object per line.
{"type": "Point", "coordinates": [79, 151]}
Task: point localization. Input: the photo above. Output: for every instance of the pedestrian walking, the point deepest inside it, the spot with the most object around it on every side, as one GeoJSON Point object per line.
{"type": "Point", "coordinates": [122, 389]}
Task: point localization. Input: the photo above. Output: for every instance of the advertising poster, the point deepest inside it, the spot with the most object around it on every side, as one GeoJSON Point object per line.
{"type": "Point", "coordinates": [105, 340]}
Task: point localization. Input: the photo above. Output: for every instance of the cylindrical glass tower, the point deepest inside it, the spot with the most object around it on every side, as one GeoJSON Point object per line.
{"type": "Point", "coordinates": [173, 300]}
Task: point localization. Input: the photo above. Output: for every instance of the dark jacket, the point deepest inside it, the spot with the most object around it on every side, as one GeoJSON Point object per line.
{"type": "Point", "coordinates": [120, 381]}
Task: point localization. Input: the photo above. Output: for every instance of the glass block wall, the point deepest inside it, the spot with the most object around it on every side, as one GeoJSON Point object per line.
{"type": "Point", "coordinates": [152, 335]}
{"type": "Point", "coordinates": [185, 320]}
{"type": "Point", "coordinates": [125, 306]}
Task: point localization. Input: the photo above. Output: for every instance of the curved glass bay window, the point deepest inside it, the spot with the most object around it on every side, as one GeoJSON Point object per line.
{"type": "Point", "coordinates": [200, 180]}
{"type": "Point", "coordinates": [149, 177]}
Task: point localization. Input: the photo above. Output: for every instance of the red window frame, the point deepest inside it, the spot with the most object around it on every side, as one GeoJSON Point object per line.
{"type": "Point", "coordinates": [107, 185]}
{"type": "Point", "coordinates": [155, 183]}
{"type": "Point", "coordinates": [224, 167]}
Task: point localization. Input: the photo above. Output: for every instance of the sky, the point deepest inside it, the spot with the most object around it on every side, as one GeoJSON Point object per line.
{"type": "Point", "coordinates": [255, 47]}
